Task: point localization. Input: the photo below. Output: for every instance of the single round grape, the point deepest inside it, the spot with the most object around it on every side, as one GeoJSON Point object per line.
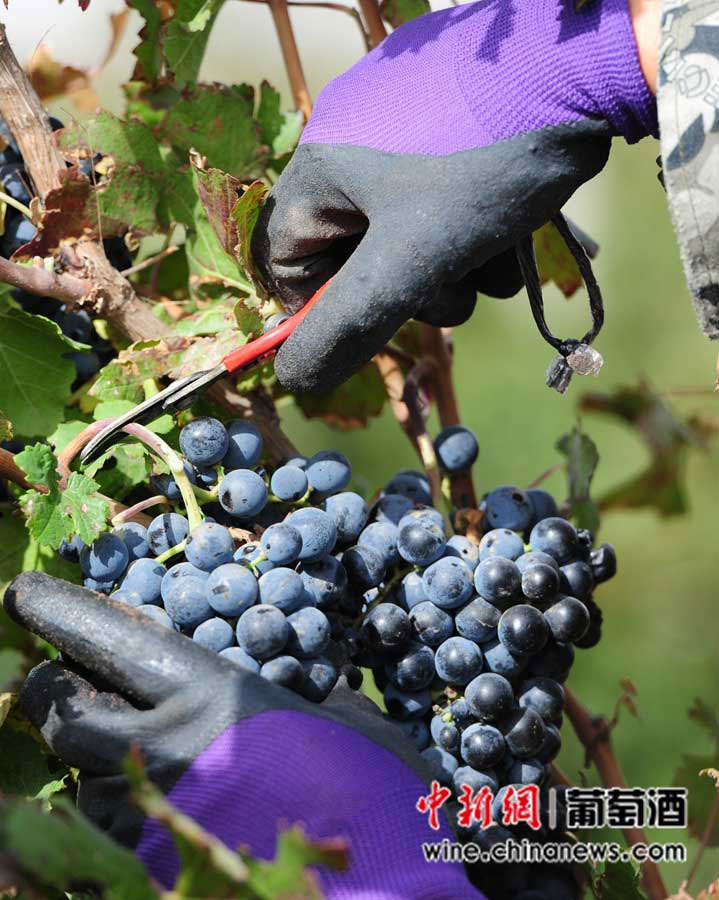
{"type": "Point", "coordinates": [508, 507]}
{"type": "Point", "coordinates": [499, 660]}
{"type": "Point", "coordinates": [462, 548]}
{"type": "Point", "coordinates": [382, 537]}
{"type": "Point", "coordinates": [568, 619]}
{"type": "Point", "coordinates": [281, 543]}
{"type": "Point", "coordinates": [128, 597]}
{"type": "Point", "coordinates": [458, 660]}
{"type": "Point", "coordinates": [206, 477]}
{"type": "Point", "coordinates": [431, 625]}
{"type": "Point", "coordinates": [448, 738]}
{"type": "Point", "coordinates": [448, 583]}
{"type": "Point", "coordinates": [365, 567]}
{"type": "Point", "coordinates": [186, 601]}
{"type": "Point", "coordinates": [134, 537]}
{"type": "Point", "coordinates": [157, 613]}
{"type": "Point", "coordinates": [145, 577]}
{"type": "Point", "coordinates": [209, 545]}
{"type": "Point", "coordinates": [242, 493]}
{"type": "Point", "coordinates": [325, 581]}
{"type": "Point", "coordinates": [166, 531]}
{"type": "Point", "coordinates": [524, 732]}
{"type": "Point", "coordinates": [556, 537]}
{"type": "Point", "coordinates": [536, 557]}
{"type": "Point", "coordinates": [289, 483]}
{"type": "Point", "coordinates": [309, 633]}
{"type": "Point", "coordinates": [420, 544]}
{"type": "Point", "coordinates": [482, 746]}
{"type": "Point", "coordinates": [460, 711]}
{"type": "Point", "coordinates": [501, 542]}
{"type": "Point", "coordinates": [179, 570]}
{"type": "Point", "coordinates": [523, 630]}
{"type": "Point", "coordinates": [490, 696]}
{"type": "Point", "coordinates": [543, 504]}
{"type": "Point", "coordinates": [456, 448]}
{"type": "Point", "coordinates": [244, 447]}
{"type": "Point", "coordinates": [423, 515]}
{"type": "Point", "coordinates": [70, 550]}
{"type": "Point", "coordinates": [239, 657]}
{"type": "Point", "coordinates": [527, 771]}
{"type": "Point", "coordinates": [328, 471]}
{"type": "Point", "coordinates": [416, 731]}
{"type": "Point", "coordinates": [262, 631]}
{"type": "Point", "coordinates": [540, 583]}
{"type": "Point", "coordinates": [214, 634]}
{"type": "Point", "coordinates": [387, 627]}
{"type": "Point", "coordinates": [498, 580]}
{"type": "Point", "coordinates": [406, 704]}
{"type": "Point", "coordinates": [603, 561]}
{"type": "Point", "coordinates": [105, 559]}
{"type": "Point", "coordinates": [283, 588]}
{"type": "Point", "coordinates": [231, 589]}
{"type": "Point", "coordinates": [410, 591]}
{"type": "Point", "coordinates": [593, 634]}
{"type": "Point", "coordinates": [543, 695]}
{"type": "Point", "coordinates": [576, 580]}
{"type": "Point", "coordinates": [477, 621]}
{"type": "Point", "coordinates": [475, 779]}
{"type": "Point", "coordinates": [204, 441]}
{"type": "Point", "coordinates": [349, 512]}
{"type": "Point", "coordinates": [411, 484]}
{"type": "Point", "coordinates": [100, 587]}
{"type": "Point", "coordinates": [413, 670]}
{"type": "Point", "coordinates": [284, 670]}
{"type": "Point", "coordinates": [318, 531]}
{"type": "Point", "coordinates": [391, 508]}
{"type": "Point", "coordinates": [442, 765]}
{"type": "Point", "coordinates": [320, 677]}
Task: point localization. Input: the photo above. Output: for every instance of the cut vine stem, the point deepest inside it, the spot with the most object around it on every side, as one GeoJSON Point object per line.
{"type": "Point", "coordinates": [594, 734]}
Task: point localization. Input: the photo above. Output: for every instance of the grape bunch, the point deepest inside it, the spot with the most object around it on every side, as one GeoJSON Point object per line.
{"type": "Point", "coordinates": [19, 230]}
{"type": "Point", "coordinates": [296, 578]}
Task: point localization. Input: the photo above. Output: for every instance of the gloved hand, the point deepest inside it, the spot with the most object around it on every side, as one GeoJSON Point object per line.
{"type": "Point", "coordinates": [464, 131]}
{"type": "Point", "coordinates": [237, 753]}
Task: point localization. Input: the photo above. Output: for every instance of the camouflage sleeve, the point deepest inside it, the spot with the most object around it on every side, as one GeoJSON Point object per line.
{"type": "Point", "coordinates": [688, 105]}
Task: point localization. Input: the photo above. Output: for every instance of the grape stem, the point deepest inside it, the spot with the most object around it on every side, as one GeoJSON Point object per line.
{"type": "Point", "coordinates": [132, 511]}
{"type": "Point", "coordinates": [16, 204]}
{"type": "Point", "coordinates": [173, 551]}
{"type": "Point", "coordinates": [204, 496]}
{"type": "Point", "coordinates": [593, 732]}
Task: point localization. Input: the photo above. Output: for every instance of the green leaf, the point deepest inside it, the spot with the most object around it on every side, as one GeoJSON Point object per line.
{"type": "Point", "coordinates": [64, 433]}
{"type": "Point", "coordinates": [218, 193]}
{"type": "Point", "coordinates": [132, 467]}
{"type": "Point", "coordinates": [11, 666]}
{"type": "Point", "coordinates": [206, 352]}
{"type": "Point", "coordinates": [396, 12]}
{"type": "Point", "coordinates": [218, 123]}
{"type": "Point", "coordinates": [351, 404]}
{"type": "Point", "coordinates": [702, 793]}
{"type": "Point", "coordinates": [618, 881]}
{"type": "Point", "coordinates": [39, 464]}
{"type": "Point", "coordinates": [149, 51]}
{"type": "Point", "coordinates": [582, 458]}
{"type": "Point", "coordinates": [554, 260]}
{"type": "Point", "coordinates": [281, 131]}
{"type": "Point", "coordinates": [661, 485]}
{"type": "Point", "coordinates": [212, 320]}
{"type": "Point", "coordinates": [63, 848]}
{"type": "Point", "coordinates": [23, 766]}
{"type": "Point", "coordinates": [186, 37]}
{"type": "Point", "coordinates": [205, 13]}
{"type": "Point", "coordinates": [245, 213]}
{"type": "Point", "coordinates": [124, 377]}
{"type": "Point", "coordinates": [35, 376]}
{"type": "Point", "coordinates": [248, 319]}
{"type": "Point", "coordinates": [5, 427]}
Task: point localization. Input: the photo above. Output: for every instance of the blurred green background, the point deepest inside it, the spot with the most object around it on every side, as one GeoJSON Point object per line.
{"type": "Point", "coordinates": [661, 625]}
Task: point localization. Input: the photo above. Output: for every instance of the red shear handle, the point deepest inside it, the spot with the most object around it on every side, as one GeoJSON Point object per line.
{"type": "Point", "coordinates": [269, 343]}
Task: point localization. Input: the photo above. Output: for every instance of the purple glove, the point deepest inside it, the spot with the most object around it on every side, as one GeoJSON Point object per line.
{"type": "Point", "coordinates": [240, 755]}
{"type": "Point", "coordinates": [424, 164]}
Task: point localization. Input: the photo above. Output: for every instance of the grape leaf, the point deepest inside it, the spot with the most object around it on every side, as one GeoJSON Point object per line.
{"type": "Point", "coordinates": [149, 51]}
{"type": "Point", "coordinates": [396, 12]}
{"type": "Point", "coordinates": [279, 130]}
{"type": "Point", "coordinates": [206, 352]}
{"type": "Point", "coordinates": [245, 213]}
{"type": "Point", "coordinates": [23, 766]}
{"type": "Point", "coordinates": [351, 404]}
{"type": "Point", "coordinates": [218, 193]}
{"type": "Point", "coordinates": [661, 484]}
{"type": "Point", "coordinates": [64, 433]}
{"type": "Point", "coordinates": [618, 881]}
{"type": "Point", "coordinates": [35, 376]}
{"type": "Point", "coordinates": [64, 848]}
{"type": "Point", "coordinates": [554, 261]}
{"type": "Point", "coordinates": [218, 123]}
{"type": "Point", "coordinates": [204, 14]}
{"type": "Point", "coordinates": [582, 458]}
{"type": "Point", "coordinates": [702, 793]}
{"type": "Point", "coordinates": [211, 320]}
{"type": "Point", "coordinates": [123, 378]}
{"type": "Point", "coordinates": [186, 36]}
{"type": "Point", "coordinates": [39, 465]}
{"type": "Point", "coordinates": [282, 875]}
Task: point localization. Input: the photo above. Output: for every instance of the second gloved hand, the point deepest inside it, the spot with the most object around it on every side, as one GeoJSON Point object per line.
{"type": "Point", "coordinates": [422, 166]}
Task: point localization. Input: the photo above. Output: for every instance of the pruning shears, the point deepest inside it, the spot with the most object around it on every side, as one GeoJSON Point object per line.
{"type": "Point", "coordinates": [183, 393]}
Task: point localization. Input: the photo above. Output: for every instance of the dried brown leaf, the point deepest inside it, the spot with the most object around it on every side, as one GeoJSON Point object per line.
{"type": "Point", "coordinates": [51, 78]}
